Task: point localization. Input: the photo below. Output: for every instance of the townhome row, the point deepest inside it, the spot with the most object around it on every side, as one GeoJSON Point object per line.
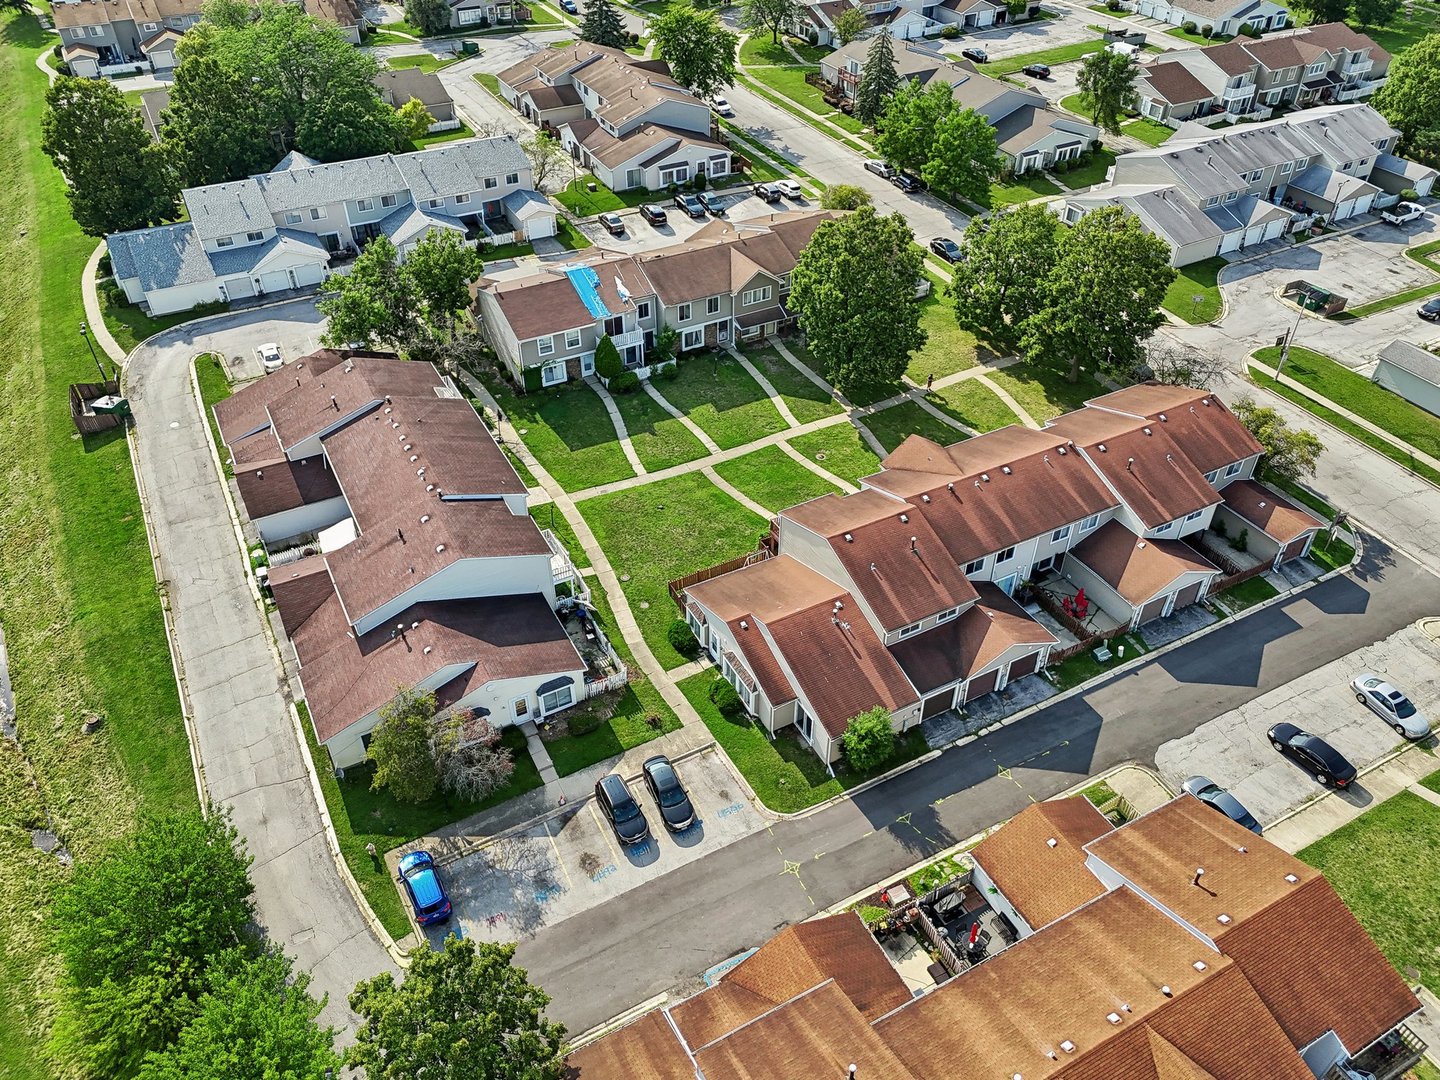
{"type": "Point", "coordinates": [291, 227]}
{"type": "Point", "coordinates": [726, 283]}
{"type": "Point", "coordinates": [1031, 135]}
{"type": "Point", "coordinates": [905, 20]}
{"type": "Point", "coordinates": [1225, 18]}
{"type": "Point", "coordinates": [1126, 968]}
{"type": "Point", "coordinates": [1210, 192]}
{"type": "Point", "coordinates": [900, 595]}
{"type": "Point", "coordinates": [1319, 65]}
{"type": "Point", "coordinates": [624, 118]}
{"type": "Point", "coordinates": [404, 554]}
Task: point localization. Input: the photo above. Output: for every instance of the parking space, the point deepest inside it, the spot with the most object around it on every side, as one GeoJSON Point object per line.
{"type": "Point", "coordinates": [640, 235]}
{"type": "Point", "coordinates": [511, 888]}
{"type": "Point", "coordinates": [1066, 28]}
{"type": "Point", "coordinates": [1233, 750]}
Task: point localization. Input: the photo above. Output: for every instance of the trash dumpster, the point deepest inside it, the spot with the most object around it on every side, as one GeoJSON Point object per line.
{"type": "Point", "coordinates": [470, 47]}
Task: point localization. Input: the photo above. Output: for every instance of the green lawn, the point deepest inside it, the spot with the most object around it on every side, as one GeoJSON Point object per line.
{"type": "Point", "coordinates": [840, 450]}
{"type": "Point", "coordinates": [784, 772]}
{"type": "Point", "coordinates": [1335, 555]}
{"type": "Point", "coordinates": [570, 237]}
{"type": "Point", "coordinates": [1197, 279]}
{"type": "Point", "coordinates": [1061, 54]}
{"type": "Point", "coordinates": [1248, 593]}
{"type": "Point", "coordinates": [549, 516]}
{"type": "Point", "coordinates": [780, 101]}
{"type": "Point", "coordinates": [499, 252]}
{"type": "Point", "coordinates": [130, 326]}
{"type": "Point", "coordinates": [1045, 392]}
{"type": "Point", "coordinates": [491, 83]}
{"type": "Point", "coordinates": [650, 698]}
{"type": "Point", "coordinates": [722, 399]}
{"type": "Point", "coordinates": [759, 49]}
{"type": "Point", "coordinates": [462, 132]}
{"type": "Point", "coordinates": [1198, 39]}
{"type": "Point", "coordinates": [363, 816]}
{"type": "Point", "coordinates": [948, 348]}
{"type": "Point", "coordinates": [1148, 131]}
{"type": "Point", "coordinates": [214, 387]}
{"type": "Point", "coordinates": [806, 400]}
{"type": "Point", "coordinates": [790, 83]}
{"type": "Point", "coordinates": [659, 439]}
{"type": "Point", "coordinates": [626, 724]}
{"type": "Point", "coordinates": [1406, 29]}
{"type": "Point", "coordinates": [1022, 189]}
{"type": "Point", "coordinates": [81, 609]}
{"type": "Point", "coordinates": [425, 61]}
{"type": "Point", "coordinates": [1386, 867]}
{"type": "Point", "coordinates": [579, 199]}
{"type": "Point", "coordinates": [1084, 176]}
{"type": "Point", "coordinates": [521, 469]}
{"type": "Point", "coordinates": [893, 425]}
{"type": "Point", "coordinates": [568, 431]}
{"type": "Point", "coordinates": [386, 37]}
{"type": "Point", "coordinates": [1082, 667]}
{"type": "Point", "coordinates": [774, 479]}
{"type": "Point", "coordinates": [665, 530]}
{"type": "Point", "coordinates": [974, 404]}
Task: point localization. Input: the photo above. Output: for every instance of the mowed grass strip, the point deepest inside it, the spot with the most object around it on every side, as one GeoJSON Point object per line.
{"type": "Point", "coordinates": [1046, 392]}
{"type": "Point", "coordinates": [660, 440]}
{"type": "Point", "coordinates": [840, 450]}
{"type": "Point", "coordinates": [719, 395]}
{"type": "Point", "coordinates": [947, 349]}
{"type": "Point", "coordinates": [569, 431]}
{"type": "Point", "coordinates": [806, 400]}
{"type": "Point", "coordinates": [1195, 280]}
{"type": "Point", "coordinates": [658, 532]}
{"type": "Point", "coordinates": [80, 608]}
{"type": "Point", "coordinates": [894, 425]}
{"type": "Point", "coordinates": [974, 404]}
{"type": "Point", "coordinates": [774, 479]}
{"type": "Point", "coordinates": [1061, 54]}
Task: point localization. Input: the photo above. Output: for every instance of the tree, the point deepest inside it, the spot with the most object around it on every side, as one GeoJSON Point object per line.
{"type": "Point", "coordinates": [1377, 13]}
{"type": "Point", "coordinates": [1176, 364]}
{"type": "Point", "coordinates": [400, 747]}
{"type": "Point", "coordinates": [869, 739]}
{"type": "Point", "coordinates": [964, 156]}
{"type": "Point", "coordinates": [430, 17]}
{"type": "Point", "coordinates": [349, 122]}
{"type": "Point", "coordinates": [439, 270]}
{"type": "Point", "coordinates": [607, 359]}
{"type": "Point", "coordinates": [136, 930]}
{"type": "Point", "coordinates": [1290, 453]}
{"type": "Point", "coordinates": [601, 25]}
{"type": "Point", "coordinates": [1410, 98]}
{"type": "Point", "coordinates": [415, 120]}
{"type": "Point", "coordinates": [853, 289]}
{"type": "Point", "coordinates": [373, 302]}
{"type": "Point", "coordinates": [215, 128]}
{"type": "Point", "coordinates": [772, 15]}
{"type": "Point", "coordinates": [546, 157]}
{"type": "Point", "coordinates": [255, 1021]}
{"type": "Point", "coordinates": [1107, 84]}
{"type": "Point", "coordinates": [20, 7]}
{"type": "Point", "coordinates": [907, 131]}
{"type": "Point", "coordinates": [850, 24]}
{"type": "Point", "coordinates": [844, 197]}
{"type": "Point", "coordinates": [1102, 295]}
{"type": "Point", "coordinates": [463, 1012]}
{"type": "Point", "coordinates": [878, 79]}
{"type": "Point", "coordinates": [999, 283]}
{"type": "Point", "coordinates": [116, 177]}
{"type": "Point", "coordinates": [473, 762]}
{"type": "Point", "coordinates": [696, 45]}
{"type": "Point", "coordinates": [1325, 11]}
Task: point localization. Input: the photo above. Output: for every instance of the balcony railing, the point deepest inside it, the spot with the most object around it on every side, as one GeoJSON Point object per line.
{"type": "Point", "coordinates": [1392, 1055]}
{"type": "Point", "coordinates": [624, 341]}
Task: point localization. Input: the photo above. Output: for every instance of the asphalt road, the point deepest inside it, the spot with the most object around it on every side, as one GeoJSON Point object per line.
{"type": "Point", "coordinates": [629, 949]}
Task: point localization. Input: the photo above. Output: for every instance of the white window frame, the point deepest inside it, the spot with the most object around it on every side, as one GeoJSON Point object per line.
{"type": "Point", "coordinates": [712, 305]}
{"type": "Point", "coordinates": [318, 213]}
{"type": "Point", "coordinates": [512, 178]}
{"type": "Point", "coordinates": [684, 313]}
{"type": "Point", "coordinates": [1231, 196]}
{"type": "Point", "coordinates": [974, 567]}
{"type": "Point", "coordinates": [906, 631]}
{"type": "Point", "coordinates": [553, 373]}
{"type": "Point", "coordinates": [1233, 469]}
{"type": "Point", "coordinates": [1005, 556]}
{"type": "Point", "coordinates": [692, 339]}
{"type": "Point", "coordinates": [293, 217]}
{"type": "Point", "coordinates": [224, 241]}
{"type": "Point", "coordinates": [756, 296]}
{"type": "Point", "coordinates": [1285, 167]}
{"type": "Point", "coordinates": [1214, 200]}
{"type": "Point", "coordinates": [642, 309]}
{"type": "Point", "coordinates": [365, 205]}
{"type": "Point", "coordinates": [947, 614]}
{"type": "Point", "coordinates": [1193, 515]}
{"type": "Point", "coordinates": [254, 237]}
{"type": "Point", "coordinates": [1164, 528]}
{"type": "Point", "coordinates": [1212, 475]}
{"type": "Point", "coordinates": [434, 204]}
{"type": "Point", "coordinates": [491, 182]}
{"type": "Point", "coordinates": [545, 346]}
{"type": "Point", "coordinates": [572, 339]}
{"type": "Point", "coordinates": [461, 200]}
{"type": "Point", "coordinates": [152, 28]}
{"type": "Point", "coordinates": [97, 31]}
{"type": "Point", "coordinates": [1316, 69]}
{"type": "Point", "coordinates": [388, 200]}
{"type": "Point", "coordinates": [546, 708]}
{"type": "Point", "coordinates": [1060, 534]}
{"type": "Point", "coordinates": [587, 364]}
{"type": "Point", "coordinates": [1090, 523]}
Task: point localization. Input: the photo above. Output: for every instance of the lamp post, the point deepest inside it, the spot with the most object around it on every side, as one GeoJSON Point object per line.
{"type": "Point", "coordinates": [85, 333]}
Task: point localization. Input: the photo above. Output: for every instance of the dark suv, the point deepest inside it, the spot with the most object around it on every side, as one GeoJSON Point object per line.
{"type": "Point", "coordinates": [620, 808]}
{"type": "Point", "coordinates": [691, 205]}
{"type": "Point", "coordinates": [1313, 754]}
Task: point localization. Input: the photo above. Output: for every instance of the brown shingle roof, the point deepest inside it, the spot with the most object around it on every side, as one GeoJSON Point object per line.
{"type": "Point", "coordinates": [1268, 511]}
{"type": "Point", "coordinates": [328, 399]}
{"type": "Point", "coordinates": [248, 408]}
{"type": "Point", "coordinates": [299, 589]}
{"type": "Point", "coordinates": [969, 643]}
{"type": "Point", "coordinates": [766, 590]}
{"type": "Point", "coordinates": [546, 98]}
{"type": "Point", "coordinates": [406, 84]}
{"type": "Point", "coordinates": [1137, 569]}
{"type": "Point", "coordinates": [1335, 36]}
{"type": "Point", "coordinates": [1044, 882]}
{"type": "Point", "coordinates": [268, 487]}
{"type": "Point", "coordinates": [644, 1050]}
{"type": "Point", "coordinates": [546, 303]}
{"type": "Point", "coordinates": [1196, 421]}
{"type": "Point", "coordinates": [761, 661]}
{"type": "Point", "coordinates": [95, 12]}
{"type": "Point", "coordinates": [1173, 82]}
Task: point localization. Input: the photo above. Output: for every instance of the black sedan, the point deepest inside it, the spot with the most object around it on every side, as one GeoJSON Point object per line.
{"type": "Point", "coordinates": [621, 810]}
{"type": "Point", "coordinates": [691, 205]}
{"type": "Point", "coordinates": [979, 56]}
{"type": "Point", "coordinates": [712, 202]}
{"type": "Point", "coordinates": [653, 213]}
{"type": "Point", "coordinates": [669, 793]}
{"type": "Point", "coordinates": [1313, 754]}
{"type": "Point", "coordinates": [907, 183]}
{"type": "Point", "coordinates": [1430, 310]}
{"type": "Point", "coordinates": [947, 249]}
{"type": "Point", "coordinates": [1037, 71]}
{"type": "Point", "coordinates": [1216, 797]}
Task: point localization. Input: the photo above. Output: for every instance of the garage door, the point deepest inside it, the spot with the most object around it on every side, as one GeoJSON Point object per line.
{"type": "Point", "coordinates": [1343, 210]}
{"type": "Point", "coordinates": [275, 281]}
{"type": "Point", "coordinates": [1188, 595]}
{"type": "Point", "coordinates": [1275, 229]}
{"type": "Point", "coordinates": [238, 287]}
{"type": "Point", "coordinates": [1295, 548]}
{"type": "Point", "coordinates": [1152, 610]}
{"type": "Point", "coordinates": [937, 703]}
{"type": "Point", "coordinates": [981, 685]}
{"type": "Point", "coordinates": [1364, 203]}
{"type": "Point", "coordinates": [162, 60]}
{"type": "Point", "coordinates": [1026, 665]}
{"type": "Point", "coordinates": [1254, 234]}
{"type": "Point", "coordinates": [1231, 241]}
{"type": "Point", "coordinates": [309, 275]}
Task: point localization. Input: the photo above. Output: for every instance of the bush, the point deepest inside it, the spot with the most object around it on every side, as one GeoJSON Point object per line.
{"type": "Point", "coordinates": [63, 68]}
{"type": "Point", "coordinates": [682, 640]}
{"type": "Point", "coordinates": [104, 270]}
{"type": "Point", "coordinates": [1249, 31]}
{"type": "Point", "coordinates": [531, 379]}
{"type": "Point", "coordinates": [698, 182]}
{"type": "Point", "coordinates": [627, 382]}
{"type": "Point", "coordinates": [1114, 5]}
{"type": "Point", "coordinates": [725, 698]}
{"type": "Point", "coordinates": [607, 359]}
{"type": "Point", "coordinates": [1241, 542]}
{"type": "Point", "coordinates": [1189, 26]}
{"type": "Point", "coordinates": [584, 723]}
{"type": "Point", "coordinates": [1409, 193]}
{"type": "Point", "coordinates": [1207, 32]}
{"type": "Point", "coordinates": [669, 371]}
{"type": "Point", "coordinates": [55, 50]}
{"type": "Point", "coordinates": [951, 32]}
{"type": "Point", "coordinates": [869, 740]}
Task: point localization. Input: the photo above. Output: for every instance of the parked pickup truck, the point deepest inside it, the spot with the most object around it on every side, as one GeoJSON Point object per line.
{"type": "Point", "coordinates": [1400, 213]}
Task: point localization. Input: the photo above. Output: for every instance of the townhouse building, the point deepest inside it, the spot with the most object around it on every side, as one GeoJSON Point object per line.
{"type": "Point", "coordinates": [1226, 18]}
{"type": "Point", "coordinates": [1124, 969]}
{"type": "Point", "coordinates": [402, 550]}
{"type": "Point", "coordinates": [726, 283]}
{"type": "Point", "coordinates": [291, 227]}
{"type": "Point", "coordinates": [1317, 65]}
{"type": "Point", "coordinates": [901, 594]}
{"type": "Point", "coordinates": [622, 117]}
{"type": "Point", "coordinates": [905, 20]}
{"type": "Point", "coordinates": [1029, 133]}
{"type": "Point", "coordinates": [1211, 192]}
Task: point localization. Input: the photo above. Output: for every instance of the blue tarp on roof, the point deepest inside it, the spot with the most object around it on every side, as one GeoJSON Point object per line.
{"type": "Point", "coordinates": [586, 284]}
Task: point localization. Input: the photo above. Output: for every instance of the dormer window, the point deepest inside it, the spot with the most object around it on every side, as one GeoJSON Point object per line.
{"type": "Point", "coordinates": [947, 614]}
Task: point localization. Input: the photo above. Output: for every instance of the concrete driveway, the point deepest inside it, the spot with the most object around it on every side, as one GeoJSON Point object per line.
{"type": "Point", "coordinates": [1067, 28]}
{"type": "Point", "coordinates": [1233, 750]}
{"type": "Point", "coordinates": [640, 235]}
{"type": "Point", "coordinates": [537, 877]}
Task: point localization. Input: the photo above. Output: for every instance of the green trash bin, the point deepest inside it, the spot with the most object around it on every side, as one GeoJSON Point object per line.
{"type": "Point", "coordinates": [470, 47]}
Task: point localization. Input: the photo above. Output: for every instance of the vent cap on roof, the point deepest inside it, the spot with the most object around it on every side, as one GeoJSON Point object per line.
{"type": "Point", "coordinates": [1114, 1018]}
{"type": "Point", "coordinates": [1199, 965]}
{"type": "Point", "coordinates": [1051, 842]}
{"type": "Point", "coordinates": [1068, 1046]}
{"type": "Point", "coordinates": [1101, 447]}
{"type": "Point", "coordinates": [849, 538]}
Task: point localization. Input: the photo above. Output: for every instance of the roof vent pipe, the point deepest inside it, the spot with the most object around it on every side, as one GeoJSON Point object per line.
{"type": "Point", "coordinates": [853, 1070]}
{"type": "Point", "coordinates": [1167, 991]}
{"type": "Point", "coordinates": [334, 403]}
{"type": "Point", "coordinates": [401, 534]}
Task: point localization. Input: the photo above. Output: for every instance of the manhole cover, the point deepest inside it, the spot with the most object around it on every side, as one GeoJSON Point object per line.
{"type": "Point", "coordinates": [821, 455]}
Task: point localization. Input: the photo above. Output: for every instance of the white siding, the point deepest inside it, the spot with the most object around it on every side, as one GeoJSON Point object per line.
{"type": "Point", "coordinates": [506, 576]}
{"type": "Point", "coordinates": [312, 517]}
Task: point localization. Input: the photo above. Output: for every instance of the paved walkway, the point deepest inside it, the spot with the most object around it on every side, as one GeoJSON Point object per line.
{"type": "Point", "coordinates": [690, 425]}
{"type": "Point", "coordinates": [619, 421]}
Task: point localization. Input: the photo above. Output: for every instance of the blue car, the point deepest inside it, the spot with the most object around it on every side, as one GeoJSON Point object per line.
{"type": "Point", "coordinates": [422, 883]}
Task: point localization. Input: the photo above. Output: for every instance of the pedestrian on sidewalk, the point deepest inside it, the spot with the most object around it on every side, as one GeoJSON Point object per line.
{"type": "Point", "coordinates": [929, 381]}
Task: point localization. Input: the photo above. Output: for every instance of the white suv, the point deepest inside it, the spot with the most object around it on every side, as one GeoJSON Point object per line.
{"type": "Point", "coordinates": [270, 358]}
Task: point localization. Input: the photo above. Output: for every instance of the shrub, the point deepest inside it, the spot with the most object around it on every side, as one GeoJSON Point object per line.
{"type": "Point", "coordinates": [1249, 31]}
{"type": "Point", "coordinates": [607, 359]}
{"type": "Point", "coordinates": [682, 640]}
{"type": "Point", "coordinates": [63, 68]}
{"type": "Point", "coordinates": [633, 38]}
{"type": "Point", "coordinates": [627, 382]}
{"type": "Point", "coordinates": [1207, 32]}
{"type": "Point", "coordinates": [1189, 26]}
{"type": "Point", "coordinates": [951, 32]}
{"type": "Point", "coordinates": [1409, 193]}
{"type": "Point", "coordinates": [55, 51]}
{"type": "Point", "coordinates": [698, 182]}
{"type": "Point", "coordinates": [104, 270]}
{"type": "Point", "coordinates": [869, 739]}
{"type": "Point", "coordinates": [531, 377]}
{"type": "Point", "coordinates": [669, 371]}
{"type": "Point", "coordinates": [584, 723]}
{"type": "Point", "coordinates": [1114, 5]}
{"type": "Point", "coordinates": [1241, 542]}
{"type": "Point", "coordinates": [725, 698]}
{"type": "Point", "coordinates": [1218, 526]}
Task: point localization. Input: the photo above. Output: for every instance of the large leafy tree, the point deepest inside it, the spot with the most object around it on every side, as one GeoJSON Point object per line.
{"type": "Point", "coordinates": [1324, 11]}
{"type": "Point", "coordinates": [1376, 12]}
{"type": "Point", "coordinates": [440, 269]}
{"type": "Point", "coordinates": [465, 1012]}
{"type": "Point", "coordinates": [964, 156]}
{"type": "Point", "coordinates": [382, 299]}
{"type": "Point", "coordinates": [116, 178]}
{"type": "Point", "coordinates": [400, 747]}
{"type": "Point", "coordinates": [1102, 295]}
{"type": "Point", "coordinates": [771, 15]}
{"type": "Point", "coordinates": [878, 79]}
{"type": "Point", "coordinates": [1107, 84]}
{"type": "Point", "coordinates": [853, 289]}
{"type": "Point", "coordinates": [844, 197]}
{"type": "Point", "coordinates": [907, 132]}
{"type": "Point", "coordinates": [137, 929]}
{"type": "Point", "coordinates": [601, 25]}
{"type": "Point", "coordinates": [696, 45]}
{"type": "Point", "coordinates": [256, 1021]}
{"type": "Point", "coordinates": [850, 24]}
{"type": "Point", "coordinates": [869, 739]}
{"type": "Point", "coordinates": [1290, 453]}
{"type": "Point", "coordinates": [998, 285]}
{"type": "Point", "coordinates": [547, 158]}
{"type": "Point", "coordinates": [1410, 98]}
{"type": "Point", "coordinates": [430, 17]}
{"type": "Point", "coordinates": [216, 128]}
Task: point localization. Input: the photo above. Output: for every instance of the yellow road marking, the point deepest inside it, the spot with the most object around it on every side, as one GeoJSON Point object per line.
{"type": "Point", "coordinates": [604, 827]}
{"type": "Point", "coordinates": [555, 848]}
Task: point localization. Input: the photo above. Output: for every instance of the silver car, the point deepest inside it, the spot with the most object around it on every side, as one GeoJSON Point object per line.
{"type": "Point", "coordinates": [270, 358]}
{"type": "Point", "coordinates": [1390, 705]}
{"type": "Point", "coordinates": [1216, 797]}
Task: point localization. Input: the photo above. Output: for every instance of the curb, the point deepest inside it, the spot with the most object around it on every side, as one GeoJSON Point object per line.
{"type": "Point", "coordinates": [1329, 791]}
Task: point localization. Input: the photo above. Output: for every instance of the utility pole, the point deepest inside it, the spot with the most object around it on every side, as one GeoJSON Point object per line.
{"type": "Point", "coordinates": [1284, 341]}
{"type": "Point", "coordinates": [85, 333]}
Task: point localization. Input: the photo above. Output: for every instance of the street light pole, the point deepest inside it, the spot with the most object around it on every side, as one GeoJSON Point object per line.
{"type": "Point", "coordinates": [1288, 340]}
{"type": "Point", "coordinates": [85, 333]}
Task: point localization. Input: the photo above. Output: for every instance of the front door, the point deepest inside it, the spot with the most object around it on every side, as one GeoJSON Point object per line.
{"type": "Point", "coordinates": [1007, 584]}
{"type": "Point", "coordinates": [522, 708]}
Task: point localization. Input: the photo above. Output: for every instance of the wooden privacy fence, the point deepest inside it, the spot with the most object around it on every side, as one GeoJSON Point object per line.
{"type": "Point", "coordinates": [679, 585]}
{"type": "Point", "coordinates": [88, 422]}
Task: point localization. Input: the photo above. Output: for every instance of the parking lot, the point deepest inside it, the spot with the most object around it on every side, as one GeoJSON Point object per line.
{"type": "Point", "coordinates": [639, 235]}
{"type": "Point", "coordinates": [1233, 750]}
{"type": "Point", "coordinates": [1067, 28]}
{"type": "Point", "coordinates": [511, 888]}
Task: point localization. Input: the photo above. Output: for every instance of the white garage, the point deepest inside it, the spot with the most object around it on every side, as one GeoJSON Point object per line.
{"type": "Point", "coordinates": [160, 49]}
{"type": "Point", "coordinates": [237, 287]}
{"type": "Point", "coordinates": [1231, 241]}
